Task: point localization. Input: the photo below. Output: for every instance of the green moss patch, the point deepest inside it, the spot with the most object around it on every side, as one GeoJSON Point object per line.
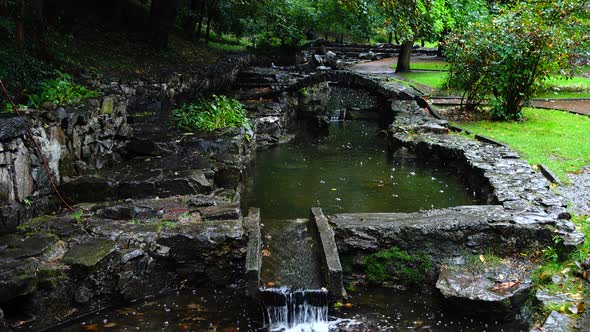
{"type": "Point", "coordinates": [398, 265]}
{"type": "Point", "coordinates": [89, 253]}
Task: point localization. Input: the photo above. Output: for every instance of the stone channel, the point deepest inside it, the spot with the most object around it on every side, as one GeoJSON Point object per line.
{"type": "Point", "coordinates": [157, 209]}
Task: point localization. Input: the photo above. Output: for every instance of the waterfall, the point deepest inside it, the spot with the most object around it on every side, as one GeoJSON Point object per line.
{"type": "Point", "coordinates": [295, 311]}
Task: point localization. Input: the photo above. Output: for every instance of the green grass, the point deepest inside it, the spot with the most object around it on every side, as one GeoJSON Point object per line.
{"type": "Point", "coordinates": [438, 65]}
{"type": "Point", "coordinates": [563, 95]}
{"type": "Point", "coordinates": [557, 139]}
{"type": "Point", "coordinates": [434, 80]}
{"type": "Point", "coordinates": [227, 47]}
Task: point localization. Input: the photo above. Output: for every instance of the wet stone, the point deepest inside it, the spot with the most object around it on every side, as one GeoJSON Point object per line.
{"type": "Point", "coordinates": [90, 253]}
{"type": "Point", "coordinates": [556, 322]}
{"type": "Point", "coordinates": [220, 212]}
{"type": "Point", "coordinates": [497, 288]}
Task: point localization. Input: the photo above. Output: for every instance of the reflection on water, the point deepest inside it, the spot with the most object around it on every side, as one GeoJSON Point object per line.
{"type": "Point", "coordinates": [350, 170]}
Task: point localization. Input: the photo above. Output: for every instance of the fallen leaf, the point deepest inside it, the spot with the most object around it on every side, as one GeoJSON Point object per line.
{"type": "Point", "coordinates": [110, 324]}
{"type": "Point", "coordinates": [271, 284]}
{"type": "Point", "coordinates": [90, 327]}
{"type": "Point", "coordinates": [506, 285]}
{"type": "Point", "coordinates": [482, 259]}
{"type": "Point", "coordinates": [265, 252]}
{"type": "Point", "coordinates": [194, 306]}
{"type": "Point", "coordinates": [348, 305]}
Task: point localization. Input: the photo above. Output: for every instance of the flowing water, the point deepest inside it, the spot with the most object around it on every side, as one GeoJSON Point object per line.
{"type": "Point", "coordinates": [346, 170]}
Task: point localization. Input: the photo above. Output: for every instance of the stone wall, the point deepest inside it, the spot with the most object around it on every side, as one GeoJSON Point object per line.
{"type": "Point", "coordinates": [73, 141]}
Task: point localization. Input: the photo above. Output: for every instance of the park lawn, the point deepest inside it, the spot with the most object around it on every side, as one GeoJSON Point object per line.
{"type": "Point", "coordinates": [437, 65]}
{"type": "Point", "coordinates": [556, 139]}
{"type": "Point", "coordinates": [432, 79]}
{"type": "Point", "coordinates": [563, 95]}
{"type": "Point", "coordinates": [558, 87]}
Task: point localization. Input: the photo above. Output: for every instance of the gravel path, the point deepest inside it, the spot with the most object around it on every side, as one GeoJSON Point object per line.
{"type": "Point", "coordinates": [578, 193]}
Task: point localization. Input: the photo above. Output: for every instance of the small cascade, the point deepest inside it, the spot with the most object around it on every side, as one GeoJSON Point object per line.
{"type": "Point", "coordinates": [295, 311]}
{"type": "Point", "coordinates": [335, 117]}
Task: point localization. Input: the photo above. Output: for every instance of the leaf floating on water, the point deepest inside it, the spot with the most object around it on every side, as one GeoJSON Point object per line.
{"type": "Point", "coordinates": [109, 325]}
{"type": "Point", "coordinates": [90, 327]}
{"type": "Point", "coordinates": [271, 283]}
{"type": "Point", "coordinates": [265, 253]}
{"type": "Point", "coordinates": [194, 306]}
{"type": "Point", "coordinates": [338, 305]}
{"type": "Point", "coordinates": [348, 305]}
{"type": "Point", "coordinates": [333, 189]}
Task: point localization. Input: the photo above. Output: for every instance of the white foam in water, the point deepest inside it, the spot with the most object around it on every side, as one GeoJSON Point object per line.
{"type": "Point", "coordinates": [295, 313]}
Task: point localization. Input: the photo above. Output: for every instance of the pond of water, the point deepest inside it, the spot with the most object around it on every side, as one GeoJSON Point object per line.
{"type": "Point", "coordinates": [347, 170]}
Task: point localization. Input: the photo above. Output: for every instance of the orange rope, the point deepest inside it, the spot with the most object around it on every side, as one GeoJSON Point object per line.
{"type": "Point", "coordinates": [31, 137]}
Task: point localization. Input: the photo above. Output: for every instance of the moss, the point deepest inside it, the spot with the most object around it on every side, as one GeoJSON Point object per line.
{"type": "Point", "coordinates": [90, 253]}
{"type": "Point", "coordinates": [398, 265]}
{"type": "Point", "coordinates": [51, 277]}
{"type": "Point", "coordinates": [34, 224]}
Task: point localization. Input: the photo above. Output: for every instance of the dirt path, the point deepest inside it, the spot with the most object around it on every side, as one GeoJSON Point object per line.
{"type": "Point", "coordinates": [573, 105]}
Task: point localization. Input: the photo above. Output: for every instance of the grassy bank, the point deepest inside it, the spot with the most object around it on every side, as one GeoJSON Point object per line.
{"type": "Point", "coordinates": [557, 139]}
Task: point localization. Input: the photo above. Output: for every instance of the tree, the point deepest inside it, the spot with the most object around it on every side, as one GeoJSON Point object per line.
{"type": "Point", "coordinates": [507, 58]}
{"type": "Point", "coordinates": [162, 16]}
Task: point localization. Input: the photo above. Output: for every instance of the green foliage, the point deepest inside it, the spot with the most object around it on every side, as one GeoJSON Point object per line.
{"type": "Point", "coordinates": [399, 265]}
{"type": "Point", "coordinates": [77, 216]}
{"type": "Point", "coordinates": [20, 70]}
{"type": "Point", "coordinates": [208, 115]}
{"type": "Point", "coordinates": [507, 58]}
{"type": "Point", "coordinates": [61, 91]}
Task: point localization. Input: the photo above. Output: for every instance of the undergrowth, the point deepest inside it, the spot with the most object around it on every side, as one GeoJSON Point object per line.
{"type": "Point", "coordinates": [60, 91]}
{"type": "Point", "coordinates": [208, 115]}
{"type": "Point", "coordinates": [565, 276]}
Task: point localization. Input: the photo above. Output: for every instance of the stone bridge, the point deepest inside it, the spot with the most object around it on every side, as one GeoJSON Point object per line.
{"type": "Point", "coordinates": [375, 84]}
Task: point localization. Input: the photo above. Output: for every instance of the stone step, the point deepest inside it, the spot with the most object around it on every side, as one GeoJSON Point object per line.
{"type": "Point", "coordinates": [111, 185]}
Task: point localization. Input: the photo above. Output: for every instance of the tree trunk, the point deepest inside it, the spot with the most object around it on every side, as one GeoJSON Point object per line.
{"type": "Point", "coordinates": [39, 23]}
{"type": "Point", "coordinates": [210, 11]}
{"type": "Point", "coordinates": [191, 21]}
{"type": "Point", "coordinates": [20, 23]}
{"type": "Point", "coordinates": [201, 17]}
{"type": "Point", "coordinates": [389, 37]}
{"type": "Point", "coordinates": [162, 16]}
{"type": "Point", "coordinates": [403, 60]}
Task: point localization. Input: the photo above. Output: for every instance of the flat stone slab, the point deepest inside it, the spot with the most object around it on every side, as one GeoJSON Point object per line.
{"type": "Point", "coordinates": [498, 286]}
{"type": "Point", "coordinates": [89, 253]}
{"type": "Point", "coordinates": [443, 232]}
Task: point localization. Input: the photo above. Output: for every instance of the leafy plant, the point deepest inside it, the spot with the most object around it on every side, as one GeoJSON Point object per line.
{"type": "Point", "coordinates": [507, 58]}
{"type": "Point", "coordinates": [208, 115]}
{"type": "Point", "coordinates": [77, 216]}
{"type": "Point", "coordinates": [61, 91]}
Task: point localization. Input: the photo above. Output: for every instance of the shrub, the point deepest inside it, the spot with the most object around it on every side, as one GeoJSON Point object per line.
{"type": "Point", "coordinates": [61, 91]}
{"type": "Point", "coordinates": [399, 265]}
{"type": "Point", "coordinates": [508, 58]}
{"type": "Point", "coordinates": [208, 115]}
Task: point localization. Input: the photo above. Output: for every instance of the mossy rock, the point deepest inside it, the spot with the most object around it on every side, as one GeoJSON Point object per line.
{"type": "Point", "coordinates": [90, 253]}
{"type": "Point", "coordinates": [398, 265]}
